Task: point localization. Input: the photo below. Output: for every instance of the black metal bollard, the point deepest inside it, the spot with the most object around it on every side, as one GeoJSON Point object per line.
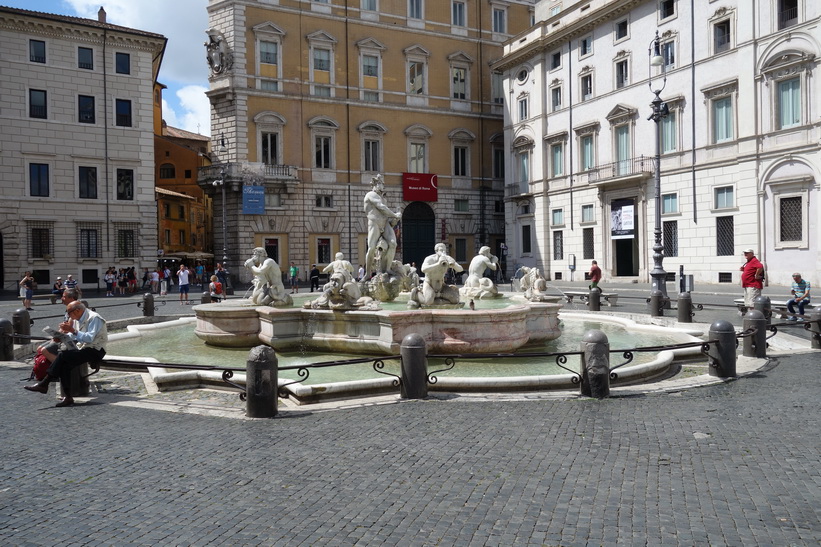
{"type": "Point", "coordinates": [722, 353]}
{"type": "Point", "coordinates": [595, 364]}
{"type": "Point", "coordinates": [755, 345]}
{"type": "Point", "coordinates": [594, 299]}
{"type": "Point", "coordinates": [815, 329]}
{"type": "Point", "coordinates": [762, 304]}
{"type": "Point", "coordinates": [206, 298]}
{"type": "Point", "coordinates": [148, 305]}
{"type": "Point", "coordinates": [261, 382]}
{"type": "Point", "coordinates": [656, 303]}
{"type": "Point", "coordinates": [6, 341]}
{"type": "Point", "coordinates": [685, 308]}
{"type": "Point", "coordinates": [414, 367]}
{"type": "Point", "coordinates": [21, 321]}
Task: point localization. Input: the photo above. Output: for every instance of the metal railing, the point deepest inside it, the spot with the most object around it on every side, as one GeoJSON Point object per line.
{"type": "Point", "coordinates": [640, 165]}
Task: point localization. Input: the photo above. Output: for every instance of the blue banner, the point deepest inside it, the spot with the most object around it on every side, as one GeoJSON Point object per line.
{"type": "Point", "coordinates": [253, 200]}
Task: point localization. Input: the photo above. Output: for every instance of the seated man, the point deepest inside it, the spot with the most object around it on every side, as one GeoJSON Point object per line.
{"type": "Point", "coordinates": [800, 295]}
{"type": "Point", "coordinates": [89, 330]}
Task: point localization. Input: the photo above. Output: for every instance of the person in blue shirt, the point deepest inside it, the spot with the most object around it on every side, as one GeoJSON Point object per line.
{"type": "Point", "coordinates": [800, 295]}
{"type": "Point", "coordinates": [88, 330]}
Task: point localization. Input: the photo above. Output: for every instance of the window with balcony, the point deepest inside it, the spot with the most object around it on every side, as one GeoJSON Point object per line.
{"type": "Point", "coordinates": [787, 13]}
{"type": "Point", "coordinates": [85, 109]}
{"type": "Point", "coordinates": [37, 51]}
{"type": "Point", "coordinates": [270, 148]}
{"type": "Point", "coordinates": [37, 104]}
{"type": "Point", "coordinates": [39, 180]}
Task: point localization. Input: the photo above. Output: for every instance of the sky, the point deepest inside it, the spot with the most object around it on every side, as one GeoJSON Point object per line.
{"type": "Point", "coordinates": [184, 68]}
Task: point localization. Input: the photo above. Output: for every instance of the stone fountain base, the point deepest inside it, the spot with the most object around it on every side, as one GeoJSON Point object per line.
{"type": "Point", "coordinates": [447, 331]}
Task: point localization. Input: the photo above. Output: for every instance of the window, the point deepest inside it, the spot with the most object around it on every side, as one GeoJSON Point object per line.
{"type": "Point", "coordinates": [322, 59]}
{"type": "Point", "coordinates": [416, 77]}
{"type": "Point", "coordinates": [269, 53]}
{"type": "Point", "coordinates": [167, 171]}
{"type": "Point", "coordinates": [669, 203]}
{"type": "Point", "coordinates": [722, 119]}
{"type": "Point", "coordinates": [586, 87]}
{"type": "Point", "coordinates": [460, 249]}
{"type": "Point", "coordinates": [497, 88]}
{"type": "Point", "coordinates": [85, 109]}
{"type": "Point", "coordinates": [556, 159]}
{"type": "Point", "coordinates": [417, 157]}
{"type": "Point", "coordinates": [669, 132]}
{"type": "Point", "coordinates": [272, 200]}
{"type": "Point", "coordinates": [460, 161]}
{"type": "Point", "coordinates": [621, 74]}
{"type": "Point", "coordinates": [588, 247]}
{"type": "Point", "coordinates": [621, 30]}
{"type": "Point", "coordinates": [369, 5]}
{"type": "Point", "coordinates": [322, 91]}
{"type": "Point", "coordinates": [670, 237]}
{"type": "Point", "coordinates": [37, 104]}
{"type": "Point", "coordinates": [556, 60]}
{"type": "Point", "coordinates": [724, 197]}
{"type": "Point", "coordinates": [522, 109]}
{"type": "Point", "coordinates": [40, 239]}
{"type": "Point", "coordinates": [126, 243]}
{"type": "Point", "coordinates": [668, 53]}
{"type": "Point", "coordinates": [459, 82]}
{"type": "Point", "coordinates": [499, 20]}
{"type": "Point", "coordinates": [524, 170]}
{"type": "Point", "coordinates": [415, 10]}
{"type": "Point", "coordinates": [182, 237]}
{"type": "Point", "coordinates": [372, 155]}
{"type": "Point", "coordinates": [322, 152]}
{"type": "Point", "coordinates": [168, 237]}
{"type": "Point", "coordinates": [325, 201]}
{"type": "Point", "coordinates": [585, 46]}
{"type": "Point", "coordinates": [498, 162]}
{"type": "Point", "coordinates": [181, 212]}
{"type": "Point", "coordinates": [370, 96]}
{"type": "Point", "coordinates": [123, 107]}
{"type": "Point", "coordinates": [323, 250]}
{"type": "Point", "coordinates": [587, 213]}
{"type": "Point", "coordinates": [667, 8]}
{"type": "Point", "coordinates": [458, 17]}
{"type": "Point", "coordinates": [588, 156]}
{"type": "Point", "coordinates": [792, 225]}
{"type": "Point", "coordinates": [725, 236]}
{"type": "Point", "coordinates": [461, 205]}
{"type": "Point", "coordinates": [122, 62]}
{"type": "Point", "coordinates": [85, 58]}
{"type": "Point", "coordinates": [38, 180]}
{"type": "Point", "coordinates": [622, 143]}
{"type": "Point", "coordinates": [269, 85]}
{"type": "Point", "coordinates": [789, 103]}
{"type": "Point", "coordinates": [526, 249]}
{"type": "Point", "coordinates": [88, 182]}
{"type": "Point", "coordinates": [558, 244]}
{"type": "Point", "coordinates": [270, 148]}
{"type": "Point", "coordinates": [721, 36]}
{"type": "Point", "coordinates": [89, 242]}
{"type": "Point", "coordinates": [787, 13]}
{"type": "Point", "coordinates": [125, 184]}
{"type": "Point", "coordinates": [166, 208]}
{"type": "Point", "coordinates": [556, 98]}
{"type": "Point", "coordinates": [557, 217]}
{"type": "Point", "coordinates": [37, 51]}
{"type": "Point", "coordinates": [370, 65]}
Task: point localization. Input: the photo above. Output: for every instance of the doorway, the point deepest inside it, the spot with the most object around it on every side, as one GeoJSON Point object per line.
{"type": "Point", "coordinates": [418, 232]}
{"type": "Point", "coordinates": [623, 222]}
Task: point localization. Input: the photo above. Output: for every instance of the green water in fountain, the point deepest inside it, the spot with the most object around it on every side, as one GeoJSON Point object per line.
{"type": "Point", "coordinates": [179, 344]}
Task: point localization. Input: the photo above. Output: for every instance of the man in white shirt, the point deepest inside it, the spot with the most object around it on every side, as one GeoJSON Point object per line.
{"type": "Point", "coordinates": [182, 278]}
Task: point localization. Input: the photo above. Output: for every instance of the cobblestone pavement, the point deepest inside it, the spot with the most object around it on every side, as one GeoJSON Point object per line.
{"type": "Point", "coordinates": [731, 464]}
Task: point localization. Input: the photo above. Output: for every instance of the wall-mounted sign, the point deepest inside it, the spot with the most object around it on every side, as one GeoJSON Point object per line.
{"type": "Point", "coordinates": [419, 187]}
{"type": "Point", "coordinates": [253, 200]}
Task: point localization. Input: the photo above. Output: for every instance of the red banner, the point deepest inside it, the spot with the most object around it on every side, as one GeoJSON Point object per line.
{"type": "Point", "coordinates": [419, 187]}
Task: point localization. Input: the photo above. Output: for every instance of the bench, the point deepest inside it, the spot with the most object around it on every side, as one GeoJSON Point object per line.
{"type": "Point", "coordinates": [776, 308]}
{"type": "Point", "coordinates": [53, 297]}
{"type": "Point", "coordinates": [611, 299]}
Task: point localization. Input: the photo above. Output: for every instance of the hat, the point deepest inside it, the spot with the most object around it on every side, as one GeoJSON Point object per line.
{"type": "Point", "coordinates": [59, 279]}
{"type": "Point", "coordinates": [749, 251]}
{"type": "Point", "coordinates": [69, 275]}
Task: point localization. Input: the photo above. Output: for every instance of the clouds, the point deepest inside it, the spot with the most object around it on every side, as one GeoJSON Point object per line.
{"type": "Point", "coordinates": [184, 69]}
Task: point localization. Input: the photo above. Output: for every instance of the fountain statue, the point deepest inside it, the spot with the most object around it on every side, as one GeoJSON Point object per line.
{"type": "Point", "coordinates": [341, 292]}
{"type": "Point", "coordinates": [268, 287]}
{"type": "Point", "coordinates": [534, 285]}
{"type": "Point", "coordinates": [477, 285]}
{"type": "Point", "coordinates": [387, 280]}
{"type": "Point", "coordinates": [340, 266]}
{"type": "Point", "coordinates": [434, 291]}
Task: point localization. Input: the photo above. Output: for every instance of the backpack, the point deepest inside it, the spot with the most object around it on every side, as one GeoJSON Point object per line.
{"type": "Point", "coordinates": [41, 365]}
{"type": "Point", "coordinates": [217, 287]}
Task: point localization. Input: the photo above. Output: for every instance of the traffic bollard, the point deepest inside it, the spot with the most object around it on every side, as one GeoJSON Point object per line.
{"type": "Point", "coordinates": [21, 321]}
{"type": "Point", "coordinates": [6, 341]}
{"type": "Point", "coordinates": [414, 367]}
{"type": "Point", "coordinates": [594, 299]}
{"type": "Point", "coordinates": [656, 303]}
{"type": "Point", "coordinates": [722, 353]}
{"type": "Point", "coordinates": [685, 308]}
{"type": "Point", "coordinates": [762, 304]}
{"type": "Point", "coordinates": [148, 305]}
{"type": "Point", "coordinates": [261, 382]}
{"type": "Point", "coordinates": [595, 365]}
{"type": "Point", "coordinates": [756, 344]}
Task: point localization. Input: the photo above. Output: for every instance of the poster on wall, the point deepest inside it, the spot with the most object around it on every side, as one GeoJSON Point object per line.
{"type": "Point", "coordinates": [622, 219]}
{"type": "Point", "coordinates": [253, 200]}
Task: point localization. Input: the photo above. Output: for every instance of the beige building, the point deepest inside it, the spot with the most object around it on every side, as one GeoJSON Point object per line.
{"type": "Point", "coordinates": [76, 134]}
{"type": "Point", "coordinates": [310, 100]}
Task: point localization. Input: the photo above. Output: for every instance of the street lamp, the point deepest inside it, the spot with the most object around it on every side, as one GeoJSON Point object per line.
{"type": "Point", "coordinates": [660, 111]}
{"type": "Point", "coordinates": [222, 183]}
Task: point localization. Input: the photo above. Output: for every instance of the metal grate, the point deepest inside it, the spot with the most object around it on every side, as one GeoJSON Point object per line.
{"type": "Point", "coordinates": [670, 238]}
{"type": "Point", "coordinates": [127, 237]}
{"type": "Point", "coordinates": [791, 219]}
{"type": "Point", "coordinates": [725, 277]}
{"type": "Point", "coordinates": [558, 276]}
{"type": "Point", "coordinates": [88, 240]}
{"type": "Point", "coordinates": [587, 244]}
{"type": "Point", "coordinates": [558, 245]}
{"type": "Point", "coordinates": [41, 239]}
{"type": "Point", "coordinates": [725, 236]}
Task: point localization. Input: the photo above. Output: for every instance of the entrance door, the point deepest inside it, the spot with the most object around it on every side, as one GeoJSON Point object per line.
{"type": "Point", "coordinates": [418, 232]}
{"type": "Point", "coordinates": [624, 223]}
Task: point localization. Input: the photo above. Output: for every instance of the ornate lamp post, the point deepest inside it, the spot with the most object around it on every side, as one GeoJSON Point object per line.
{"type": "Point", "coordinates": [222, 183]}
{"type": "Point", "coordinates": [660, 111]}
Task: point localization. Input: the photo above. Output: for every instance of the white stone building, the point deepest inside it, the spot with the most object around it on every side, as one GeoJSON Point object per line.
{"type": "Point", "coordinates": [740, 161]}
{"type": "Point", "coordinates": [76, 146]}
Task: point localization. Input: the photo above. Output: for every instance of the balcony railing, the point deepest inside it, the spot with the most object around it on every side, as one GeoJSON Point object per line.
{"type": "Point", "coordinates": [250, 172]}
{"type": "Point", "coordinates": [640, 165]}
{"type": "Point", "coordinates": [788, 18]}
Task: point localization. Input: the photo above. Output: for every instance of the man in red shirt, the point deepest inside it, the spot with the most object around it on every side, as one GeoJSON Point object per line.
{"type": "Point", "coordinates": [752, 275]}
{"type": "Point", "coordinates": [595, 275]}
